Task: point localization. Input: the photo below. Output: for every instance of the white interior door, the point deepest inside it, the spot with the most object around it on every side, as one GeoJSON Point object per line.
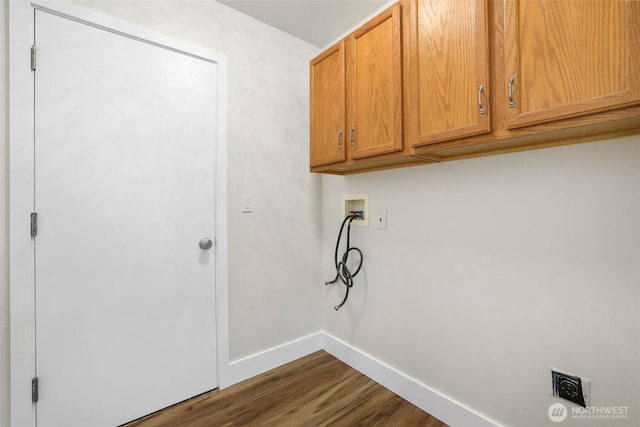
{"type": "Point", "coordinates": [124, 165]}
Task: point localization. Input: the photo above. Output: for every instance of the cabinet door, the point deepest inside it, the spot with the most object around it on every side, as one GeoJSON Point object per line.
{"type": "Point", "coordinates": [374, 86]}
{"type": "Point", "coordinates": [570, 58]}
{"type": "Point", "coordinates": [448, 69]}
{"type": "Point", "coordinates": [327, 78]}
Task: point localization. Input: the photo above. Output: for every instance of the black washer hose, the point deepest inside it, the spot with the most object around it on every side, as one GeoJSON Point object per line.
{"type": "Point", "coordinates": [342, 271]}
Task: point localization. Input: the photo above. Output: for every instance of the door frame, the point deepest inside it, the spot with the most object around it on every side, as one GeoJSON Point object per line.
{"type": "Point", "coordinates": [21, 190]}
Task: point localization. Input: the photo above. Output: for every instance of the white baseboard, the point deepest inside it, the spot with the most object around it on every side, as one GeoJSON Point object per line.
{"type": "Point", "coordinates": [256, 364]}
{"type": "Point", "coordinates": [435, 403]}
{"type": "Point", "coordinates": [429, 400]}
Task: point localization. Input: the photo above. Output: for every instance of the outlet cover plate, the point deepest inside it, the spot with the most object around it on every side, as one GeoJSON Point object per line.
{"type": "Point", "coordinates": [381, 219]}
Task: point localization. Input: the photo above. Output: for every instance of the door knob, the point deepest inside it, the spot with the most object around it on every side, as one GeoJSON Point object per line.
{"type": "Point", "coordinates": [205, 243]}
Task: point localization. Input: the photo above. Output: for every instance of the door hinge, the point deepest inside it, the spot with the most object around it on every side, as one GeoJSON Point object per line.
{"type": "Point", "coordinates": [33, 57]}
{"type": "Point", "coordinates": [34, 390]}
{"type": "Point", "coordinates": [34, 224]}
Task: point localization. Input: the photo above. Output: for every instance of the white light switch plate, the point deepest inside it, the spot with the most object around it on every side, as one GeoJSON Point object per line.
{"type": "Point", "coordinates": [247, 199]}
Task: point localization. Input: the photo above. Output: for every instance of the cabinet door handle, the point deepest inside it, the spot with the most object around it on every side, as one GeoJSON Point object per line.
{"type": "Point", "coordinates": [353, 141]}
{"type": "Point", "coordinates": [340, 140]}
{"type": "Point", "coordinates": [512, 103]}
{"type": "Point", "coordinates": [480, 90]}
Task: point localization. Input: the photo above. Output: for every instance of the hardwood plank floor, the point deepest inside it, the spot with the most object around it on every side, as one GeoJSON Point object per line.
{"type": "Point", "coordinates": [317, 390]}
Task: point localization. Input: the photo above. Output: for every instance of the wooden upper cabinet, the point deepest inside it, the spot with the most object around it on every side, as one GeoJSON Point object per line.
{"type": "Point", "coordinates": [374, 86]}
{"type": "Point", "coordinates": [570, 58]}
{"type": "Point", "coordinates": [446, 69]}
{"type": "Point", "coordinates": [327, 107]}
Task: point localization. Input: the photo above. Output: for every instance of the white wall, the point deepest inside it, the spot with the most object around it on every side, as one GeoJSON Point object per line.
{"type": "Point", "coordinates": [494, 269]}
{"type": "Point", "coordinates": [4, 232]}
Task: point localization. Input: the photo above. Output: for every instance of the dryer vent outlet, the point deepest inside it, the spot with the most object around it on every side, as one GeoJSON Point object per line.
{"type": "Point", "coordinates": [570, 387]}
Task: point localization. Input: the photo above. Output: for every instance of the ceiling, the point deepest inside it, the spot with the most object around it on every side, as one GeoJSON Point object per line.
{"type": "Point", "coordinates": [318, 22]}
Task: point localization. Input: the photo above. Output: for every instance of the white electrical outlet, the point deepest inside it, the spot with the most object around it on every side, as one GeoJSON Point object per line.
{"type": "Point", "coordinates": [381, 219]}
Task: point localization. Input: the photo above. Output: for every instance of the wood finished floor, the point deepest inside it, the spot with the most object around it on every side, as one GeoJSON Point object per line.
{"type": "Point", "coordinates": [317, 390]}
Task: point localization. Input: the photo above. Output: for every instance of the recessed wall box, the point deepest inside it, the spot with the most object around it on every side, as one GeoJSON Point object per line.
{"type": "Point", "coordinates": [570, 387]}
{"type": "Point", "coordinates": [356, 203]}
